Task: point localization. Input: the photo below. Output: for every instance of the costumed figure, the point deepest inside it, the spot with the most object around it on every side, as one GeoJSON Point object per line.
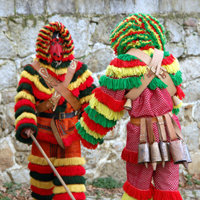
{"type": "Point", "coordinates": [145, 79]}
{"type": "Point", "coordinates": [52, 92]}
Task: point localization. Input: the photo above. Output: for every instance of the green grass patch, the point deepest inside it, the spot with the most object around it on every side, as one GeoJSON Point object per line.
{"type": "Point", "coordinates": [107, 183]}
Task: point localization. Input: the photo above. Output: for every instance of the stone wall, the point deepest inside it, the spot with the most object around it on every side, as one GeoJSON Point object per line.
{"type": "Point", "coordinates": [90, 22]}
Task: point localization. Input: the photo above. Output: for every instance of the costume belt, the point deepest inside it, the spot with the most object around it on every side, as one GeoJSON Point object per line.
{"type": "Point", "coordinates": [152, 152]}
{"type": "Point", "coordinates": [60, 115]}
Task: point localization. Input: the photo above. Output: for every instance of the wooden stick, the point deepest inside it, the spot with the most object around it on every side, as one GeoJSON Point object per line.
{"type": "Point", "coordinates": [52, 167]}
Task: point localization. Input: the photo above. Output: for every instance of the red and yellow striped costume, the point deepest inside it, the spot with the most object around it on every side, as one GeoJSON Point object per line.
{"type": "Point", "coordinates": [32, 90]}
{"type": "Point", "coordinates": [106, 106]}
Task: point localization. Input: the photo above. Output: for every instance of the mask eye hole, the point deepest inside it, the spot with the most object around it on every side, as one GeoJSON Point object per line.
{"type": "Point", "coordinates": [52, 43]}
{"type": "Point", "coordinates": [54, 54]}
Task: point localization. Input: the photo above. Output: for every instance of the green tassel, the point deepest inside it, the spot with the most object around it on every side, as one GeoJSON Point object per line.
{"type": "Point", "coordinates": [19, 130]}
{"type": "Point", "coordinates": [70, 180]}
{"type": "Point", "coordinates": [24, 109]}
{"type": "Point", "coordinates": [120, 84]}
{"type": "Point", "coordinates": [79, 72]}
{"type": "Point", "coordinates": [25, 86]}
{"type": "Point", "coordinates": [177, 78]}
{"type": "Point", "coordinates": [175, 111]}
{"type": "Point", "coordinates": [156, 83]}
{"type": "Point", "coordinates": [86, 136]}
{"type": "Point", "coordinates": [87, 91]}
{"type": "Point", "coordinates": [99, 118]}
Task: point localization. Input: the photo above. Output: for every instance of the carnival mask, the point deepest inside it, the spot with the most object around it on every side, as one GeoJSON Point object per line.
{"type": "Point", "coordinates": [56, 49]}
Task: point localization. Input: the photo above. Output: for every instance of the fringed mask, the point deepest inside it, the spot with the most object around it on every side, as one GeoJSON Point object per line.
{"type": "Point", "coordinates": [56, 49]}
{"type": "Point", "coordinates": [54, 44]}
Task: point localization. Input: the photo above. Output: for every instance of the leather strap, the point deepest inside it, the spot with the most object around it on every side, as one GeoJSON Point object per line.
{"type": "Point", "coordinates": [150, 130]}
{"type": "Point", "coordinates": [161, 124]}
{"type": "Point", "coordinates": [143, 131]}
{"type": "Point", "coordinates": [154, 69]}
{"type": "Point", "coordinates": [60, 116]}
{"type": "Point", "coordinates": [56, 133]}
{"type": "Point", "coordinates": [170, 127]}
{"type": "Point", "coordinates": [60, 87]}
{"type": "Point", "coordinates": [137, 121]}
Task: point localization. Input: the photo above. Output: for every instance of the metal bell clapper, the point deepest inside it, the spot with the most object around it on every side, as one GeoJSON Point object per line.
{"type": "Point", "coordinates": [177, 152]}
{"type": "Point", "coordinates": [128, 105]}
{"type": "Point", "coordinates": [155, 155]}
{"type": "Point", "coordinates": [164, 150]}
{"type": "Point", "coordinates": [143, 154]}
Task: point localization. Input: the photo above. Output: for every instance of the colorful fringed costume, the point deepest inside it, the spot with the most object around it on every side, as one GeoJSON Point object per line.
{"type": "Point", "coordinates": [32, 90]}
{"type": "Point", "coordinates": [107, 106]}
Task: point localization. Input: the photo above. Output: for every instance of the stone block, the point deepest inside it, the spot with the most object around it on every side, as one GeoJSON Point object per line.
{"type": "Point", "coordinates": [60, 6]}
{"type": "Point", "coordinates": [30, 7]}
{"type": "Point", "coordinates": [103, 29]}
{"type": "Point", "coordinates": [99, 58]}
{"type": "Point", "coordinates": [197, 112]}
{"type": "Point", "coordinates": [194, 166]}
{"type": "Point", "coordinates": [21, 158]}
{"type": "Point", "coordinates": [192, 91]}
{"type": "Point", "coordinates": [20, 175]}
{"type": "Point", "coordinates": [7, 74]}
{"type": "Point", "coordinates": [176, 50]}
{"type": "Point", "coordinates": [147, 8]}
{"type": "Point", "coordinates": [121, 7]}
{"type": "Point", "coordinates": [188, 68]}
{"type": "Point", "coordinates": [25, 37]}
{"type": "Point", "coordinates": [4, 178]}
{"type": "Point", "coordinates": [6, 156]}
{"type": "Point", "coordinates": [6, 8]}
{"type": "Point", "coordinates": [191, 134]}
{"type": "Point", "coordinates": [91, 7]}
{"type": "Point", "coordinates": [79, 29]}
{"type": "Point", "coordinates": [19, 146]}
{"type": "Point", "coordinates": [8, 95]}
{"type": "Point", "coordinates": [176, 32]}
{"type": "Point", "coordinates": [192, 44]}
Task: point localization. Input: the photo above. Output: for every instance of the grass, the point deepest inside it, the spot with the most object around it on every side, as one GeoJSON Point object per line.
{"type": "Point", "coordinates": [107, 183]}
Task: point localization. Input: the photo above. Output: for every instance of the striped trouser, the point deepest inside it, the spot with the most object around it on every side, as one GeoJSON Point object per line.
{"type": "Point", "coordinates": [69, 164]}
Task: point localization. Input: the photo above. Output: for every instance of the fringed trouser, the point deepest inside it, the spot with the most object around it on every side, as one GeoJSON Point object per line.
{"type": "Point", "coordinates": [138, 185]}
{"type": "Point", "coordinates": [68, 162]}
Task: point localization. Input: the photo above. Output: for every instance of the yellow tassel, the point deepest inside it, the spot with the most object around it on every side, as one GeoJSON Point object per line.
{"type": "Point", "coordinates": [173, 67]}
{"type": "Point", "coordinates": [39, 160]}
{"type": "Point", "coordinates": [24, 95]}
{"type": "Point", "coordinates": [26, 115]}
{"type": "Point", "coordinates": [80, 80]}
{"type": "Point", "coordinates": [104, 110]}
{"type": "Point", "coordinates": [35, 80]}
{"type": "Point", "coordinates": [69, 161]}
{"type": "Point", "coordinates": [72, 188]}
{"type": "Point", "coordinates": [86, 99]}
{"type": "Point", "coordinates": [41, 184]}
{"type": "Point", "coordinates": [92, 133]}
{"type": "Point", "coordinates": [178, 106]}
{"type": "Point", "coordinates": [124, 72]}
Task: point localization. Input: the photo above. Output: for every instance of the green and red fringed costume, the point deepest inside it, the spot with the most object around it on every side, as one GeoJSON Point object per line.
{"type": "Point", "coordinates": [107, 105]}
{"type": "Point", "coordinates": [32, 90]}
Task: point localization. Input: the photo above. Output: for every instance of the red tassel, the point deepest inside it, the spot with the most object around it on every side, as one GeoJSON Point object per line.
{"type": "Point", "coordinates": [40, 168]}
{"type": "Point", "coordinates": [79, 196]}
{"type": "Point", "coordinates": [85, 143]}
{"type": "Point", "coordinates": [24, 102]}
{"type": "Point", "coordinates": [25, 121]}
{"type": "Point", "coordinates": [137, 193]}
{"type": "Point", "coordinates": [94, 126]}
{"type": "Point", "coordinates": [108, 100]}
{"type": "Point", "coordinates": [41, 191]}
{"type": "Point", "coordinates": [71, 170]}
{"type": "Point", "coordinates": [129, 156]}
{"type": "Point", "coordinates": [179, 92]}
{"type": "Point", "coordinates": [166, 195]}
